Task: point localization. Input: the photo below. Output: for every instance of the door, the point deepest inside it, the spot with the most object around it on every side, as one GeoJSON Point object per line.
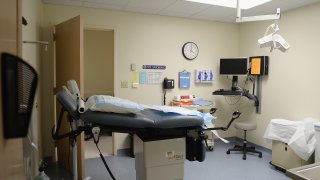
{"type": "Point", "coordinates": [69, 65]}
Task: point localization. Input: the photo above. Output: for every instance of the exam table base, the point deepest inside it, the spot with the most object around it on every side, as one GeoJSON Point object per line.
{"type": "Point", "coordinates": [160, 159]}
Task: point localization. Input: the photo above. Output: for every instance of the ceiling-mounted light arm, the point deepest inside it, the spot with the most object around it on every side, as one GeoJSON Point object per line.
{"type": "Point", "coordinates": [238, 10]}
{"type": "Point", "coordinates": [240, 19]}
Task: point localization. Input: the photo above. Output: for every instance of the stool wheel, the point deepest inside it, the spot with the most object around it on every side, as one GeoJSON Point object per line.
{"type": "Point", "coordinates": [260, 155]}
{"type": "Point", "coordinates": [228, 152]}
{"type": "Point", "coordinates": [210, 148]}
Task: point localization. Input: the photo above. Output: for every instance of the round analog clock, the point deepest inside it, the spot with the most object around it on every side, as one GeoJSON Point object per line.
{"type": "Point", "coordinates": [190, 50]}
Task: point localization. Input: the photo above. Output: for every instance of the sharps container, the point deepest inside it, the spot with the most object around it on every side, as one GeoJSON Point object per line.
{"type": "Point", "coordinates": [317, 150]}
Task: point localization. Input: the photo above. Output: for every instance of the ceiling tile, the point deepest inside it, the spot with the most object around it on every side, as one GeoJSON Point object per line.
{"type": "Point", "coordinates": [215, 12]}
{"type": "Point", "coordinates": [150, 4]}
{"type": "Point", "coordinates": [103, 6]}
{"type": "Point", "coordinates": [64, 2]}
{"type": "Point", "coordinates": [297, 4]}
{"type": "Point", "coordinates": [141, 10]}
{"type": "Point", "coordinates": [271, 7]}
{"type": "Point", "coordinates": [175, 14]}
{"type": "Point", "coordinates": [308, 2]}
{"type": "Point", "coordinates": [182, 8]}
{"type": "Point", "coordinates": [218, 19]}
{"type": "Point", "coordinates": [108, 2]}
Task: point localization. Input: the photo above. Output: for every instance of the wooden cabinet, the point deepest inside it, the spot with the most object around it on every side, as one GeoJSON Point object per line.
{"type": "Point", "coordinates": [11, 151]}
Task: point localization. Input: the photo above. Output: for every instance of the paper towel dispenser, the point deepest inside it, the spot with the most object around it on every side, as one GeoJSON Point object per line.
{"type": "Point", "coordinates": [19, 81]}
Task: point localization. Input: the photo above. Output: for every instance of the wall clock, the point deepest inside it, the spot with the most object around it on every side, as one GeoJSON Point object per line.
{"type": "Point", "coordinates": [190, 50]}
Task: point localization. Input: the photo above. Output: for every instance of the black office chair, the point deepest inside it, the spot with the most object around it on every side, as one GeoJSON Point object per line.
{"type": "Point", "coordinates": [19, 82]}
{"type": "Point", "coordinates": [244, 148]}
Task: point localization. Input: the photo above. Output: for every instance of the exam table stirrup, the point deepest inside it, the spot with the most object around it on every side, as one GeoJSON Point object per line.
{"type": "Point", "coordinates": [235, 115]}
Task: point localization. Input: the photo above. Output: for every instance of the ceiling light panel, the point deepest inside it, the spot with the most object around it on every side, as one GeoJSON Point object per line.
{"type": "Point", "coordinates": [187, 7]}
{"type": "Point", "coordinates": [244, 4]}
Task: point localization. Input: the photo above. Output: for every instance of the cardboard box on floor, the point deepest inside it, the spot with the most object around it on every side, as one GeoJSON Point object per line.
{"type": "Point", "coordinates": [284, 157]}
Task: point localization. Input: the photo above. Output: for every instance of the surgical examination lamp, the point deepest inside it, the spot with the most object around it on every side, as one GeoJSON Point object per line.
{"type": "Point", "coordinates": [272, 40]}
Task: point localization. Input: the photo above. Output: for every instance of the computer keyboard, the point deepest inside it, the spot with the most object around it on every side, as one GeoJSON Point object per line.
{"type": "Point", "coordinates": [225, 92]}
{"type": "Point", "coordinates": [242, 92]}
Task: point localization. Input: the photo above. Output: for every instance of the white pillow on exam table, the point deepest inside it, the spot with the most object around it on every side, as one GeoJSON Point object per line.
{"type": "Point", "coordinates": [112, 104]}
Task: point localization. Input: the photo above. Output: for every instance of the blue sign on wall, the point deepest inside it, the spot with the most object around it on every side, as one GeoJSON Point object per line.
{"type": "Point", "coordinates": [184, 80]}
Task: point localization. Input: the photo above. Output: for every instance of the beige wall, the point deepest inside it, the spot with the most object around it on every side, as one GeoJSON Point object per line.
{"type": "Point", "coordinates": [291, 90]}
{"type": "Point", "coordinates": [98, 62]}
{"type": "Point", "coordinates": [151, 39]}
{"type": "Point", "coordinates": [148, 39]}
{"type": "Point", "coordinates": [32, 10]}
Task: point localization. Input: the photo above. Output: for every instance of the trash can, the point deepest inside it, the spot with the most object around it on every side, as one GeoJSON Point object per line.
{"type": "Point", "coordinates": [317, 150]}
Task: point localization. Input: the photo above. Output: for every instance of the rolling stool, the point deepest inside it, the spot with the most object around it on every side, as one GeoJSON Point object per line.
{"type": "Point", "coordinates": [244, 149]}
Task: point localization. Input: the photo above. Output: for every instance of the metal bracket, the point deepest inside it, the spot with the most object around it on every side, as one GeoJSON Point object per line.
{"type": "Point", "coordinates": [240, 19]}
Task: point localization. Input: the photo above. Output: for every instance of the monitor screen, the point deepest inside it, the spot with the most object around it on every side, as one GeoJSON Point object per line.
{"type": "Point", "coordinates": [233, 66]}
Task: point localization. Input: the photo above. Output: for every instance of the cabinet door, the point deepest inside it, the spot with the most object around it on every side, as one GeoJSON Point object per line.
{"type": "Point", "coordinates": [10, 23]}
{"type": "Point", "coordinates": [11, 150]}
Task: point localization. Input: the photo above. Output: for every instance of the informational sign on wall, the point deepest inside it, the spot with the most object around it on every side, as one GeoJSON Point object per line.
{"type": "Point", "coordinates": [150, 77]}
{"type": "Point", "coordinates": [135, 79]}
{"type": "Point", "coordinates": [154, 77]}
{"type": "Point", "coordinates": [184, 80]}
{"type": "Point", "coordinates": [159, 67]}
{"type": "Point", "coordinates": [143, 77]}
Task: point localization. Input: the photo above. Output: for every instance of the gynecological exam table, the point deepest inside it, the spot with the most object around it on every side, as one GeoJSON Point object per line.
{"type": "Point", "coordinates": [162, 140]}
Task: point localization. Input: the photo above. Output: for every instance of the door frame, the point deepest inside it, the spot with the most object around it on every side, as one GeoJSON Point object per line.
{"type": "Point", "coordinates": [115, 40]}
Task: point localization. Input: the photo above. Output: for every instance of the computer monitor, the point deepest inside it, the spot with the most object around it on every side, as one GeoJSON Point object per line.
{"type": "Point", "coordinates": [234, 67]}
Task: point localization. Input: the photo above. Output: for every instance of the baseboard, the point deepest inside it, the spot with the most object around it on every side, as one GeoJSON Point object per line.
{"type": "Point", "coordinates": [125, 152]}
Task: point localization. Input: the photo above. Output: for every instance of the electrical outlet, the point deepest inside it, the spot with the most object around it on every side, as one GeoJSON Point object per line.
{"type": "Point", "coordinates": [124, 84]}
{"type": "Point", "coordinates": [133, 67]}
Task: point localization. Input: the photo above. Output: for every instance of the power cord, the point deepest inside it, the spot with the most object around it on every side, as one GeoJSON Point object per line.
{"type": "Point", "coordinates": [164, 97]}
{"type": "Point", "coordinates": [105, 163]}
{"type": "Point", "coordinates": [96, 135]}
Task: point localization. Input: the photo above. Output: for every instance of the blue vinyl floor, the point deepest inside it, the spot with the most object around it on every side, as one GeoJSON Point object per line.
{"type": "Point", "coordinates": [217, 166]}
